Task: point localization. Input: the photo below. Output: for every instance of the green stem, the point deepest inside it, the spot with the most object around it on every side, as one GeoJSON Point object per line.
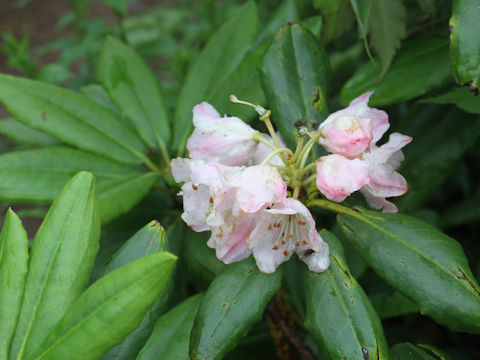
{"type": "Point", "coordinates": [297, 149]}
{"type": "Point", "coordinates": [274, 153]}
{"type": "Point", "coordinates": [310, 180]}
{"type": "Point", "coordinates": [331, 206]}
{"type": "Point", "coordinates": [259, 138]}
{"type": "Point", "coordinates": [307, 168]}
{"type": "Point", "coordinates": [148, 163]}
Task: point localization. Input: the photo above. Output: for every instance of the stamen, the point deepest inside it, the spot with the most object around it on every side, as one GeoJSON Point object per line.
{"type": "Point", "coordinates": [194, 187]}
{"type": "Point", "coordinates": [297, 243]}
{"type": "Point", "coordinates": [211, 200]}
{"type": "Point", "coordinates": [283, 242]}
{"type": "Point", "coordinates": [275, 247]}
{"type": "Point", "coordinates": [259, 109]}
{"type": "Point", "coordinates": [286, 252]}
{"type": "Point", "coordinates": [304, 242]}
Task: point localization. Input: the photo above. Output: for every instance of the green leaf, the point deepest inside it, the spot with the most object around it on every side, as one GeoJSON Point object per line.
{"type": "Point", "coordinates": [96, 93]}
{"type": "Point", "coordinates": [340, 316]}
{"type": "Point", "coordinates": [135, 90]}
{"type": "Point", "coordinates": [120, 7]}
{"type": "Point", "coordinates": [202, 264]}
{"type": "Point", "coordinates": [37, 176]}
{"type": "Point", "coordinates": [234, 302]}
{"type": "Point", "coordinates": [219, 59]}
{"type": "Point", "coordinates": [426, 163]}
{"type": "Point", "coordinates": [108, 310]}
{"type": "Point", "coordinates": [387, 26]}
{"type": "Point", "coordinates": [362, 10]}
{"type": "Point", "coordinates": [23, 134]}
{"type": "Point", "coordinates": [467, 211]}
{"type": "Point", "coordinates": [392, 303]}
{"type": "Point", "coordinates": [425, 265]}
{"type": "Point", "coordinates": [62, 257]}
{"type": "Point", "coordinates": [428, 6]}
{"type": "Point", "coordinates": [148, 240]}
{"type": "Point", "coordinates": [416, 352]}
{"type": "Point", "coordinates": [295, 74]}
{"type": "Point", "coordinates": [461, 97]}
{"type": "Point", "coordinates": [420, 66]}
{"type": "Point", "coordinates": [70, 117]}
{"type": "Point", "coordinates": [13, 270]}
{"type": "Point", "coordinates": [464, 44]}
{"type": "Point", "coordinates": [171, 337]}
{"type": "Point", "coordinates": [338, 15]}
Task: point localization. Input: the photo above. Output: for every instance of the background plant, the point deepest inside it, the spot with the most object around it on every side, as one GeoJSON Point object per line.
{"type": "Point", "coordinates": [127, 112]}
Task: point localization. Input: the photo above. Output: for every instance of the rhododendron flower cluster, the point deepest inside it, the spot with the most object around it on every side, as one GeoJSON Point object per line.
{"type": "Point", "coordinates": [249, 190]}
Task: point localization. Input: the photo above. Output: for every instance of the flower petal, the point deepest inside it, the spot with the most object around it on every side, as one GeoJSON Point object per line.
{"type": "Point", "coordinates": [338, 177]}
{"type": "Point", "coordinates": [319, 260]}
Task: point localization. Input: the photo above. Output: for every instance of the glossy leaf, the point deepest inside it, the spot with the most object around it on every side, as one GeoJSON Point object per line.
{"type": "Point", "coordinates": [420, 66]}
{"type": "Point", "coordinates": [219, 59]}
{"type": "Point", "coordinates": [108, 310]}
{"type": "Point", "coordinates": [13, 271]}
{"type": "Point", "coordinates": [416, 352]}
{"type": "Point", "coordinates": [426, 164]}
{"type": "Point", "coordinates": [295, 75]}
{"type": "Point", "coordinates": [461, 97]}
{"type": "Point", "coordinates": [386, 26]}
{"type": "Point", "coordinates": [23, 134]}
{"type": "Point", "coordinates": [70, 117]}
{"type": "Point", "coordinates": [340, 316]}
{"type": "Point", "coordinates": [425, 265]}
{"type": "Point", "coordinates": [62, 258]}
{"type": "Point", "coordinates": [148, 240]}
{"type": "Point", "coordinates": [392, 303]}
{"type": "Point", "coordinates": [171, 337]}
{"type": "Point", "coordinates": [36, 176]}
{"type": "Point", "coordinates": [464, 44]}
{"type": "Point", "coordinates": [135, 90]}
{"type": "Point", "coordinates": [234, 302]}
{"type": "Point", "coordinates": [362, 10]}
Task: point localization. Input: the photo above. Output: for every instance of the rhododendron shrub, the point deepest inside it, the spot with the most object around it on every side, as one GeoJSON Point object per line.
{"type": "Point", "coordinates": [322, 213]}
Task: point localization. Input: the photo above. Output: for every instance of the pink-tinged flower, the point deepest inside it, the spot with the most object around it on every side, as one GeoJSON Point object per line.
{"type": "Point", "coordinates": [338, 177]}
{"type": "Point", "coordinates": [384, 181]}
{"type": "Point", "coordinates": [283, 229]}
{"type": "Point", "coordinates": [346, 134]}
{"type": "Point", "coordinates": [226, 140]}
{"type": "Point", "coordinates": [202, 182]}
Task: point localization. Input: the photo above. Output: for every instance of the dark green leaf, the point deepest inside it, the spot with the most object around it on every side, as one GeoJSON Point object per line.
{"type": "Point", "coordinates": [425, 265]}
{"type": "Point", "coordinates": [13, 270]}
{"type": "Point", "coordinates": [295, 75]}
{"type": "Point", "coordinates": [467, 211]}
{"type": "Point", "coordinates": [148, 240]}
{"type": "Point", "coordinates": [36, 176]}
{"type": "Point", "coordinates": [70, 117]}
{"type": "Point", "coordinates": [221, 56]}
{"type": "Point", "coordinates": [387, 26]}
{"type": "Point", "coordinates": [135, 90]}
{"type": "Point", "coordinates": [338, 16]}
{"type": "Point", "coordinates": [62, 257]}
{"type": "Point", "coordinates": [171, 337]}
{"type": "Point", "coordinates": [464, 44]}
{"type": "Point", "coordinates": [462, 97]}
{"type": "Point", "coordinates": [362, 11]}
{"type": "Point", "coordinates": [420, 66]}
{"type": "Point", "coordinates": [234, 302]}
{"type": "Point", "coordinates": [392, 303]}
{"type": "Point", "coordinates": [109, 310]}
{"type": "Point", "coordinates": [25, 135]}
{"type": "Point", "coordinates": [340, 316]}
{"type": "Point", "coordinates": [409, 351]}
{"type": "Point", "coordinates": [426, 162]}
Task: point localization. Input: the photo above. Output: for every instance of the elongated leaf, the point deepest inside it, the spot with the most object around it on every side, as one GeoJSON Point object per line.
{"type": "Point", "coordinates": [464, 44]}
{"type": "Point", "coordinates": [13, 271]}
{"type": "Point", "coordinates": [37, 176]}
{"type": "Point", "coordinates": [135, 90]}
{"type": "Point", "coordinates": [220, 57]}
{"type": "Point", "coordinates": [148, 240]}
{"type": "Point", "coordinates": [420, 66]}
{"type": "Point", "coordinates": [362, 10]}
{"type": "Point", "coordinates": [426, 163]}
{"type": "Point", "coordinates": [462, 97]}
{"type": "Point", "coordinates": [171, 336]}
{"type": "Point", "coordinates": [25, 135]}
{"type": "Point", "coordinates": [417, 352]}
{"type": "Point", "coordinates": [110, 309]}
{"type": "Point", "coordinates": [424, 264]}
{"type": "Point", "coordinates": [96, 93]}
{"type": "Point", "coordinates": [387, 26]}
{"type": "Point", "coordinates": [340, 316]}
{"type": "Point", "coordinates": [295, 75]}
{"type": "Point", "coordinates": [234, 302]}
{"type": "Point", "coordinates": [70, 117]}
{"type": "Point", "coordinates": [467, 211]}
{"type": "Point", "coordinates": [62, 257]}
{"type": "Point", "coordinates": [392, 303]}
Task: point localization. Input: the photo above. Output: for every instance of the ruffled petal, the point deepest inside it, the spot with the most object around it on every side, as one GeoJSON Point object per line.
{"type": "Point", "coordinates": [384, 153]}
{"type": "Point", "coordinates": [379, 203]}
{"type": "Point", "coordinates": [317, 260]}
{"type": "Point", "coordinates": [338, 177]}
{"type": "Point", "coordinates": [385, 182]}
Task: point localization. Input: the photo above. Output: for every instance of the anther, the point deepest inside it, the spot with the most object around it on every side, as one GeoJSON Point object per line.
{"type": "Point", "coordinates": [275, 247]}
{"type": "Point", "coordinates": [194, 187]}
{"type": "Point", "coordinates": [283, 242]}
{"type": "Point", "coordinates": [297, 243]}
{"type": "Point", "coordinates": [304, 242]}
{"type": "Point", "coordinates": [286, 252]}
{"type": "Point", "coordinates": [211, 200]}
{"type": "Point", "coordinates": [259, 109]}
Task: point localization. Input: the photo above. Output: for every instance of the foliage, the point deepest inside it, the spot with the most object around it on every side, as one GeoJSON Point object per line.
{"type": "Point", "coordinates": [94, 143]}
